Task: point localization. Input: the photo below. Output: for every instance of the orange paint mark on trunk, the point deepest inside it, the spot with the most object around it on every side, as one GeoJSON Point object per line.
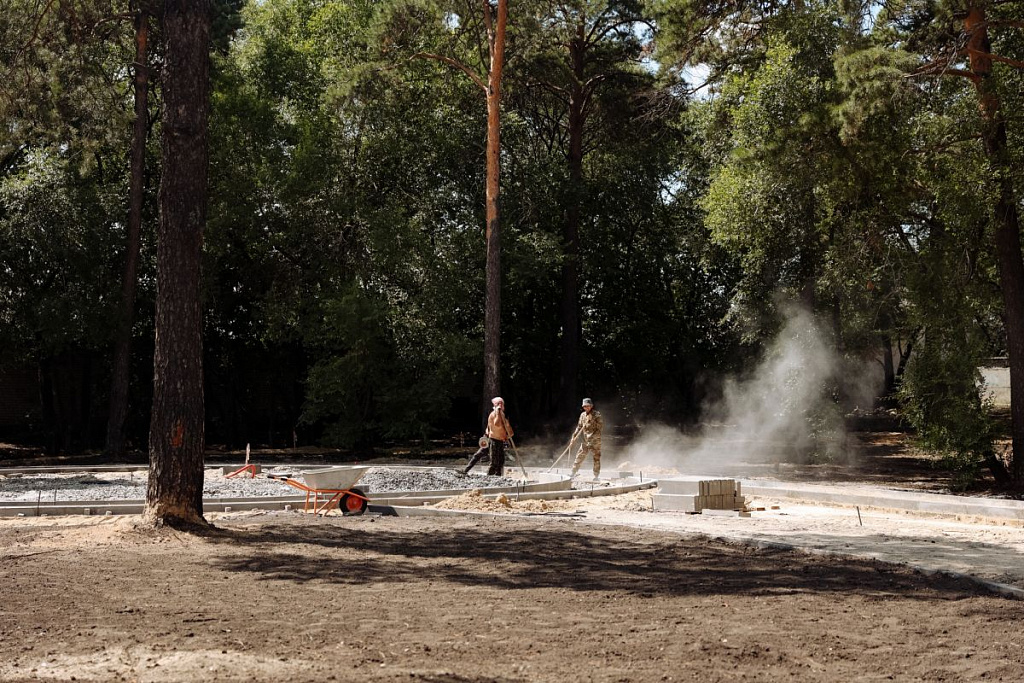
{"type": "Point", "coordinates": [177, 435]}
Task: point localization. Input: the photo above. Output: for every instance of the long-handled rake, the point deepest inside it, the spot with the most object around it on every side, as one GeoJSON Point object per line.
{"type": "Point", "coordinates": [567, 449]}
{"type": "Point", "coordinates": [519, 461]}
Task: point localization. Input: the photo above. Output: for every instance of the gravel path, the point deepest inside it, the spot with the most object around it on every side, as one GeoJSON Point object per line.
{"type": "Point", "coordinates": [51, 488]}
{"type": "Point", "coordinates": [387, 479]}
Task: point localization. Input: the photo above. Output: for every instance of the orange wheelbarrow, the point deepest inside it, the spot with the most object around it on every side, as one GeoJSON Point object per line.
{"type": "Point", "coordinates": [329, 488]}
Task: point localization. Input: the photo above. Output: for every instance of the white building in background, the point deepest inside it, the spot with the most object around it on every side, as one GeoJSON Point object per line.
{"type": "Point", "coordinates": [996, 375]}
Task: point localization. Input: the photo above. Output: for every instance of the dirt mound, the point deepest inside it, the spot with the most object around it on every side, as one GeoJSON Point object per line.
{"type": "Point", "coordinates": [503, 503]}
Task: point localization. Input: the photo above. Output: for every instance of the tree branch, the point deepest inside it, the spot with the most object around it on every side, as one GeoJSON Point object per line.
{"type": "Point", "coordinates": [488, 22]}
{"type": "Point", "coordinates": [996, 23]}
{"type": "Point", "coordinates": [941, 68]}
{"type": "Point", "coordinates": [996, 58]}
{"type": "Point", "coordinates": [597, 24]}
{"type": "Point", "coordinates": [555, 90]}
{"type": "Point", "coordinates": [455, 64]}
{"type": "Point", "coordinates": [35, 31]}
{"type": "Point", "coordinates": [624, 22]}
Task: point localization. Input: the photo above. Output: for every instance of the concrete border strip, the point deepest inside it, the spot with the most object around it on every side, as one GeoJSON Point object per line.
{"type": "Point", "coordinates": [556, 488]}
{"type": "Point", "coordinates": [1002, 589]}
{"type": "Point", "coordinates": [886, 499]}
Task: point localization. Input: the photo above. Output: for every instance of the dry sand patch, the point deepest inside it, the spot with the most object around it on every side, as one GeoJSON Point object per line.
{"type": "Point", "coordinates": [283, 596]}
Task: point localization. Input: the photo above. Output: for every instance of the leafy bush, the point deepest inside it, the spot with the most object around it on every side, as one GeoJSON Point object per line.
{"type": "Point", "coordinates": [941, 396]}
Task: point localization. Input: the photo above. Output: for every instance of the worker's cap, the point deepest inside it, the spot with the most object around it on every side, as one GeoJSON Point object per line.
{"type": "Point", "coordinates": [588, 402]}
{"type": "Point", "coordinates": [497, 401]}
{"type": "Point", "coordinates": [482, 442]}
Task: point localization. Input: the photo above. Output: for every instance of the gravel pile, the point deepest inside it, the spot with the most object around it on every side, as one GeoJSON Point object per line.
{"type": "Point", "coordinates": [381, 479]}
{"type": "Point", "coordinates": [49, 488]}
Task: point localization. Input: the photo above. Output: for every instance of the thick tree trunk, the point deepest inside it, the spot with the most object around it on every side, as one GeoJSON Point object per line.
{"type": "Point", "coordinates": [176, 438]}
{"type": "Point", "coordinates": [492, 301]}
{"type": "Point", "coordinates": [571, 233]}
{"type": "Point", "coordinates": [1011, 280]}
{"type": "Point", "coordinates": [120, 379]}
{"type": "Point", "coordinates": [1007, 228]}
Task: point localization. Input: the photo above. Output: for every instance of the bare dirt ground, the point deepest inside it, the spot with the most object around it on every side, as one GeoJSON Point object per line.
{"type": "Point", "coordinates": [989, 550]}
{"type": "Point", "coordinates": [615, 594]}
{"type": "Point", "coordinates": [288, 597]}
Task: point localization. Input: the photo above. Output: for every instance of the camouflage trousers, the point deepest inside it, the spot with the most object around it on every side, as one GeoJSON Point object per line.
{"type": "Point", "coordinates": [592, 448]}
{"type": "Point", "coordinates": [497, 451]}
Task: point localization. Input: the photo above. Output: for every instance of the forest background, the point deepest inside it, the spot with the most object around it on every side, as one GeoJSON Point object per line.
{"type": "Point", "coordinates": [679, 181]}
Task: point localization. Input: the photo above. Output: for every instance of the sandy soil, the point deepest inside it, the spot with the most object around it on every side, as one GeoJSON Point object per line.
{"type": "Point", "coordinates": [598, 589]}
{"type": "Point", "coordinates": [288, 597]}
{"type": "Point", "coordinates": [985, 549]}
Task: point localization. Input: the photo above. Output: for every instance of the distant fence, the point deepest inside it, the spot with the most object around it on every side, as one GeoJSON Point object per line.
{"type": "Point", "coordinates": [996, 375]}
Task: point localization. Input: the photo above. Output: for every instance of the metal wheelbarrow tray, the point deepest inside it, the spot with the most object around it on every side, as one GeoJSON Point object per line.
{"type": "Point", "coordinates": [332, 486]}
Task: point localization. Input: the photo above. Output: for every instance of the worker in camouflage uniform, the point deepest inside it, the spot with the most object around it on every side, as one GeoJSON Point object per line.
{"type": "Point", "coordinates": [589, 427]}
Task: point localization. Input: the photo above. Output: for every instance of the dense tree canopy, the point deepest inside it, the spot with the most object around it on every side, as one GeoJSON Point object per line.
{"type": "Point", "coordinates": [675, 176]}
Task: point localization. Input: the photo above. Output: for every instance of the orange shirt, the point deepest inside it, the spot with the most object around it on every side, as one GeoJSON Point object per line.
{"type": "Point", "coordinates": [498, 426]}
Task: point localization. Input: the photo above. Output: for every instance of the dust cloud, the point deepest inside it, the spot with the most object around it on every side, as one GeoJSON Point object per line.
{"type": "Point", "coordinates": [786, 410]}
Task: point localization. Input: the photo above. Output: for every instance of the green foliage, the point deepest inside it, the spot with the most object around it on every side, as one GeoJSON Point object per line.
{"type": "Point", "coordinates": [379, 380]}
{"type": "Point", "coordinates": [941, 397]}
{"type": "Point", "coordinates": [772, 200]}
{"type": "Point", "coordinates": [342, 222]}
{"type": "Point", "coordinates": [344, 259]}
{"type": "Point", "coordinates": [58, 268]}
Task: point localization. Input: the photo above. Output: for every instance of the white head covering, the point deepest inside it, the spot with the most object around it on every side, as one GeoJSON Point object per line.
{"type": "Point", "coordinates": [497, 400]}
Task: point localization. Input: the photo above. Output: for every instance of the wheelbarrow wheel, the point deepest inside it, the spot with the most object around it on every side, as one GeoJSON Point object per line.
{"type": "Point", "coordinates": [353, 503]}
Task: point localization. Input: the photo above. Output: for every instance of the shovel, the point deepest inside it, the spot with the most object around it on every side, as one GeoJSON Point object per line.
{"type": "Point", "coordinates": [515, 452]}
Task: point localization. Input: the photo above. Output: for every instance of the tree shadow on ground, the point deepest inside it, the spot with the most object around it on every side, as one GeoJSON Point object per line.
{"type": "Point", "coordinates": [559, 556]}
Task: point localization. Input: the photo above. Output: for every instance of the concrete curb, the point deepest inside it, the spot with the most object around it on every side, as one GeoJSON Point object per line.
{"type": "Point", "coordinates": [907, 501]}
{"type": "Point", "coordinates": [1002, 589]}
{"type": "Point", "coordinates": [555, 488]}
{"type": "Point", "coordinates": [1002, 509]}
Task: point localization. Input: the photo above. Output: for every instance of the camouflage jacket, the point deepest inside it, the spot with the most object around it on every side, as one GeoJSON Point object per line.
{"type": "Point", "coordinates": [590, 426]}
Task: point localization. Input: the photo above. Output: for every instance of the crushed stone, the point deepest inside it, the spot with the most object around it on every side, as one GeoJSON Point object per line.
{"type": "Point", "coordinates": [51, 488]}
{"type": "Point", "coordinates": [387, 479]}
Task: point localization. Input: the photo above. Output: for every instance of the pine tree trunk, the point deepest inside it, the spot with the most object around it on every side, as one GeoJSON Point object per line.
{"type": "Point", "coordinates": [175, 493]}
{"type": "Point", "coordinates": [1011, 280]}
{"type": "Point", "coordinates": [492, 302]}
{"type": "Point", "coordinates": [120, 379]}
{"type": "Point", "coordinates": [1007, 227]}
{"type": "Point", "coordinates": [571, 233]}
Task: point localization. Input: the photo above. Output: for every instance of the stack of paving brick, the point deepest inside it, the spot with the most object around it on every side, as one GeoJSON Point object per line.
{"type": "Point", "coordinates": [695, 496]}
